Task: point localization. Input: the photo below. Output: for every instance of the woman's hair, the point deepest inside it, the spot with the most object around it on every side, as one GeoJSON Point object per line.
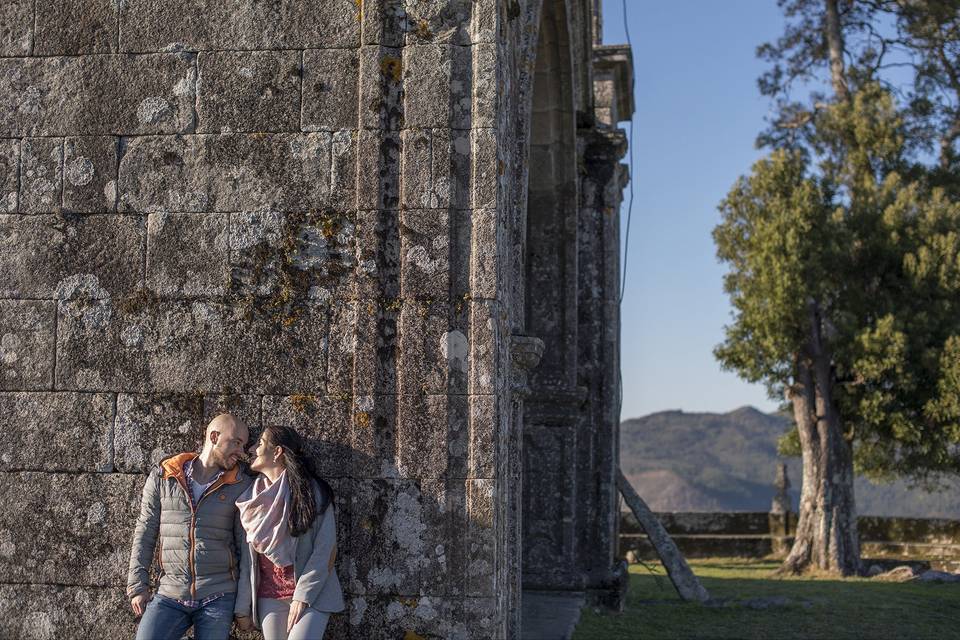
{"type": "Point", "coordinates": [300, 477]}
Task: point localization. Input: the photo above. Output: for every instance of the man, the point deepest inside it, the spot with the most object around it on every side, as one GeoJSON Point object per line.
{"type": "Point", "coordinates": [189, 503]}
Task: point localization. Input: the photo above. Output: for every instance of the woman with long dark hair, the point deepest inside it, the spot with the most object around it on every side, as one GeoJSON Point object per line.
{"type": "Point", "coordinates": [287, 515]}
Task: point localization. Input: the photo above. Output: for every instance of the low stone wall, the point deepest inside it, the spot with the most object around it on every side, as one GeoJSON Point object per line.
{"type": "Point", "coordinates": [759, 534]}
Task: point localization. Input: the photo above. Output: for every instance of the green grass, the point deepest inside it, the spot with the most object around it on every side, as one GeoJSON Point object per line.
{"type": "Point", "coordinates": [815, 607]}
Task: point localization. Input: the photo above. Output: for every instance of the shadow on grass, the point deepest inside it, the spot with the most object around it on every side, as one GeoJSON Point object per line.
{"type": "Point", "coordinates": [749, 602]}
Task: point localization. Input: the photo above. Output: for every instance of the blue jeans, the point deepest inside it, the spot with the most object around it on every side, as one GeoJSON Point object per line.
{"type": "Point", "coordinates": [167, 619]}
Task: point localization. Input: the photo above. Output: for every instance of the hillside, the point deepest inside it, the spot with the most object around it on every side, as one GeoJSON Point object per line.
{"type": "Point", "coordinates": [727, 462]}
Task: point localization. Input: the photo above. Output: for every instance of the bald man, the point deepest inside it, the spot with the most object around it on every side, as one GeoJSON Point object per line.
{"type": "Point", "coordinates": [189, 505]}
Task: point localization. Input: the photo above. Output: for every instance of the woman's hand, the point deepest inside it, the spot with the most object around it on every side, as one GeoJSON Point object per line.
{"type": "Point", "coordinates": [244, 623]}
{"type": "Point", "coordinates": [297, 609]}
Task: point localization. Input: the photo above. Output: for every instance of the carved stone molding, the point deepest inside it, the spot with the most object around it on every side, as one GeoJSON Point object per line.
{"type": "Point", "coordinates": [525, 354]}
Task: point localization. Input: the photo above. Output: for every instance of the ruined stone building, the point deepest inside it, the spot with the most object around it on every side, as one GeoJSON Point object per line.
{"type": "Point", "coordinates": [391, 224]}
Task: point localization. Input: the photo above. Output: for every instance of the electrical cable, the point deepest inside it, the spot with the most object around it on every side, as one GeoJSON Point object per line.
{"type": "Point", "coordinates": [626, 241]}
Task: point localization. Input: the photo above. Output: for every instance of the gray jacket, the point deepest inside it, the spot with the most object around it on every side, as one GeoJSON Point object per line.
{"type": "Point", "coordinates": [199, 543]}
{"type": "Point", "coordinates": [316, 578]}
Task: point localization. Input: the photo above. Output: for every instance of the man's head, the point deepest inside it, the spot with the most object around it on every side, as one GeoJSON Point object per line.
{"type": "Point", "coordinates": [225, 441]}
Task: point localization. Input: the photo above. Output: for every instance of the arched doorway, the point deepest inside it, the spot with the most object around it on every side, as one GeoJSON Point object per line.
{"type": "Point", "coordinates": [550, 311]}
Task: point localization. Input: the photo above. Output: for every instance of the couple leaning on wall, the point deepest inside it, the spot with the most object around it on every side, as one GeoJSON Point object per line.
{"type": "Point", "coordinates": [256, 546]}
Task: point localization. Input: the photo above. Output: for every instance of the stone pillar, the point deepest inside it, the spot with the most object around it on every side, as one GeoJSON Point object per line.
{"type": "Point", "coordinates": [780, 512]}
{"type": "Point", "coordinates": [781, 500]}
{"type": "Point", "coordinates": [525, 354]}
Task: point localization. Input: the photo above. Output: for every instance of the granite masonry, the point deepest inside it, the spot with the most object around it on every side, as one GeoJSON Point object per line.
{"type": "Point", "coordinates": [392, 224]}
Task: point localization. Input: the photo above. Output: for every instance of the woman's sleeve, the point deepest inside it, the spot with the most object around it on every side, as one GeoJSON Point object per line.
{"type": "Point", "coordinates": [244, 602]}
{"type": "Point", "coordinates": [320, 564]}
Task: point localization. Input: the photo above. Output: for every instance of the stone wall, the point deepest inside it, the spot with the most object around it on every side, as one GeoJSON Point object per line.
{"type": "Point", "coordinates": [311, 213]}
{"type": "Point", "coordinates": [285, 209]}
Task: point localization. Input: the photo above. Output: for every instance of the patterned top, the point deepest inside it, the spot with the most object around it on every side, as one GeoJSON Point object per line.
{"type": "Point", "coordinates": [275, 582]}
{"type": "Point", "coordinates": [195, 487]}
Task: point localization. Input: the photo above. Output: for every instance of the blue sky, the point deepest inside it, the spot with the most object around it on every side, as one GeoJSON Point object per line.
{"type": "Point", "coordinates": [698, 113]}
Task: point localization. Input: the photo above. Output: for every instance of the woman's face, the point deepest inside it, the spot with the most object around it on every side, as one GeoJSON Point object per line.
{"type": "Point", "coordinates": [263, 454]}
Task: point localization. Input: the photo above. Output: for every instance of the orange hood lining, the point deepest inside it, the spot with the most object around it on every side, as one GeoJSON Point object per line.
{"type": "Point", "coordinates": [173, 467]}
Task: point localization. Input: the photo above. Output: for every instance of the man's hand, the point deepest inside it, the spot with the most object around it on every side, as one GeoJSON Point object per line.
{"type": "Point", "coordinates": [139, 602]}
{"type": "Point", "coordinates": [244, 623]}
{"type": "Point", "coordinates": [297, 609]}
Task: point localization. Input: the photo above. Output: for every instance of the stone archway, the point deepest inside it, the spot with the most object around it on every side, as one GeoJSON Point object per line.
{"type": "Point", "coordinates": [550, 311]}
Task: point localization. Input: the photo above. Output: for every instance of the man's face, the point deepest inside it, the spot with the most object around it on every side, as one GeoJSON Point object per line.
{"type": "Point", "coordinates": [230, 440]}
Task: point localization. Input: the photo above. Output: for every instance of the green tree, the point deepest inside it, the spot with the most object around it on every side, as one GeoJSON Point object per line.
{"type": "Point", "coordinates": [844, 275]}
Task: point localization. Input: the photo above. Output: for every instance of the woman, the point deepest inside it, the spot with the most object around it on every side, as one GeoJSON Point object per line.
{"type": "Point", "coordinates": [287, 515]}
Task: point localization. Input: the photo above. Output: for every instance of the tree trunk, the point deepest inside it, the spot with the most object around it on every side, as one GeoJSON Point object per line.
{"type": "Point", "coordinates": [835, 48]}
{"type": "Point", "coordinates": [826, 536]}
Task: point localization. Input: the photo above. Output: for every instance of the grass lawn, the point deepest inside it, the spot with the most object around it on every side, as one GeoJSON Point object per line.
{"type": "Point", "coordinates": [754, 604]}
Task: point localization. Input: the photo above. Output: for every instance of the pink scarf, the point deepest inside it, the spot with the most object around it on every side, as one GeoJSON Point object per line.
{"type": "Point", "coordinates": [264, 514]}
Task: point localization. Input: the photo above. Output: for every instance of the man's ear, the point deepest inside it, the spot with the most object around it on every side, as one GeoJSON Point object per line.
{"type": "Point", "coordinates": [279, 451]}
{"type": "Point", "coordinates": [214, 436]}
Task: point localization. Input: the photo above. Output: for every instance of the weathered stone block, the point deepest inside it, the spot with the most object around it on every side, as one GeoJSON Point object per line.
{"type": "Point", "coordinates": [381, 88]}
{"type": "Point", "coordinates": [284, 255]}
{"type": "Point", "coordinates": [64, 612]}
{"type": "Point", "coordinates": [140, 345]}
{"type": "Point", "coordinates": [486, 90]}
{"type": "Point", "coordinates": [65, 95]}
{"type": "Point", "coordinates": [378, 170]}
{"type": "Point", "coordinates": [68, 27]}
{"type": "Point", "coordinates": [481, 539]}
{"type": "Point", "coordinates": [9, 175]}
{"type": "Point", "coordinates": [90, 174]}
{"type": "Point", "coordinates": [343, 169]}
{"type": "Point", "coordinates": [383, 22]}
{"type": "Point", "coordinates": [378, 256]}
{"type": "Point", "coordinates": [387, 618]}
{"type": "Point", "coordinates": [48, 256]}
{"type": "Point", "coordinates": [188, 254]}
{"type": "Point", "coordinates": [426, 249]}
{"type": "Point", "coordinates": [487, 421]}
{"type": "Point", "coordinates": [238, 24]}
{"type": "Point", "coordinates": [387, 537]}
{"type": "Point", "coordinates": [417, 186]}
{"type": "Point", "coordinates": [374, 438]}
{"type": "Point", "coordinates": [324, 421]}
{"type": "Point", "coordinates": [150, 428]}
{"type": "Point", "coordinates": [373, 337]}
{"type": "Point", "coordinates": [255, 91]}
{"type": "Point", "coordinates": [445, 544]}
{"type": "Point", "coordinates": [272, 172]}
{"type": "Point", "coordinates": [479, 616]}
{"type": "Point", "coordinates": [343, 345]}
{"type": "Point", "coordinates": [435, 355]}
{"type": "Point", "coordinates": [27, 334]}
{"type": "Point", "coordinates": [41, 175]}
{"type": "Point", "coordinates": [433, 436]}
{"type": "Point", "coordinates": [442, 21]}
{"type": "Point", "coordinates": [487, 170]}
{"type": "Point", "coordinates": [485, 21]}
{"type": "Point", "coordinates": [489, 330]}
{"type": "Point", "coordinates": [72, 430]}
{"type": "Point", "coordinates": [437, 86]}
{"type": "Point", "coordinates": [16, 27]}
{"type": "Point", "coordinates": [436, 169]}
{"type": "Point", "coordinates": [331, 80]}
{"type": "Point", "coordinates": [79, 525]}
{"type": "Point", "coordinates": [490, 254]}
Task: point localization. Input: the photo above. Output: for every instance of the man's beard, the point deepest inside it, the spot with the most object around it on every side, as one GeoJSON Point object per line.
{"type": "Point", "coordinates": [223, 462]}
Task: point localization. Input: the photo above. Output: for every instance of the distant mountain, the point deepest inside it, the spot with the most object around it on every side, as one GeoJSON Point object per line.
{"type": "Point", "coordinates": [727, 462]}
